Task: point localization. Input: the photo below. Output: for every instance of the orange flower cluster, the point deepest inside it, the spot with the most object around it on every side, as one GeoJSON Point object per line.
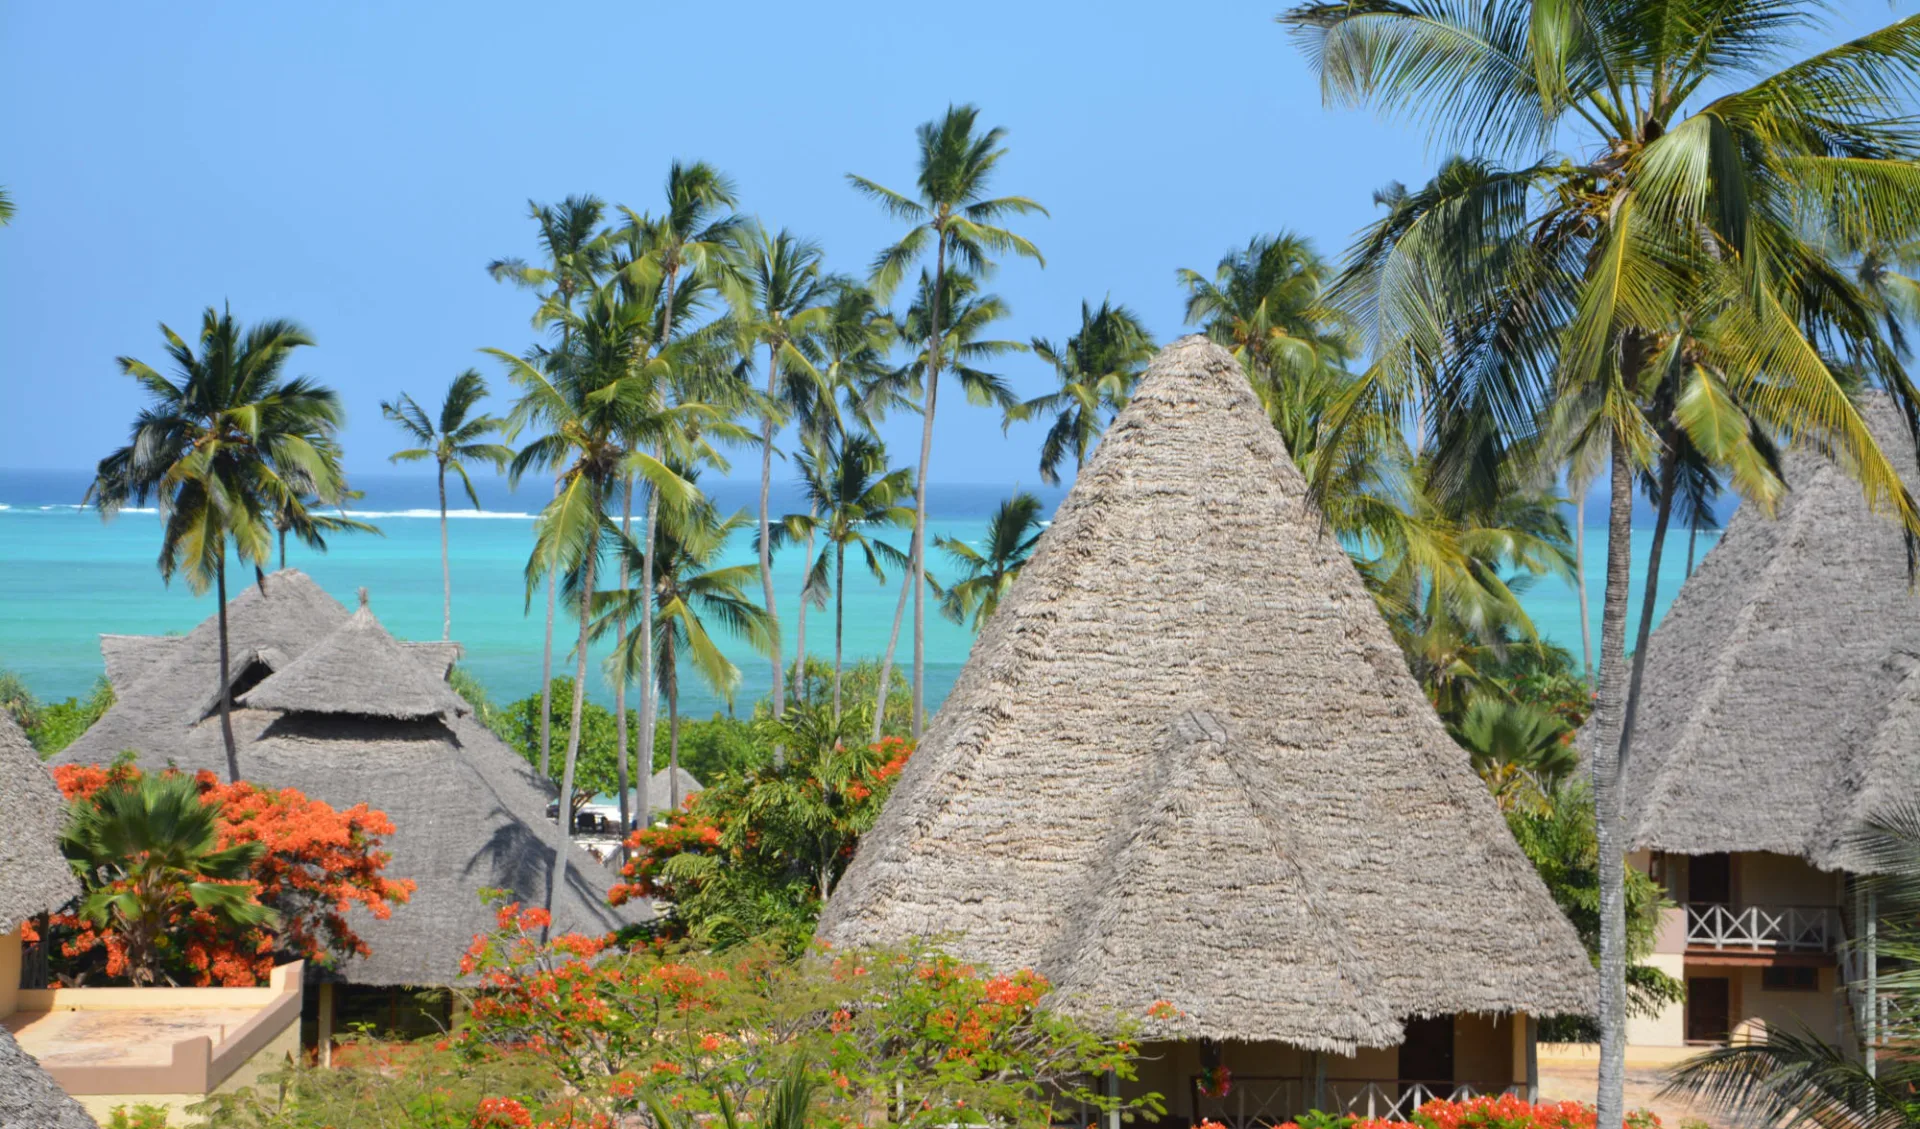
{"type": "Point", "coordinates": [500, 1113]}
{"type": "Point", "coordinates": [317, 863]}
{"type": "Point", "coordinates": [1507, 1111]}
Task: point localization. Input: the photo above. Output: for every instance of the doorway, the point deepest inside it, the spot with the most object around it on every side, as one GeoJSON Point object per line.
{"type": "Point", "coordinates": [1710, 880]}
{"type": "Point", "coordinates": [1427, 1054]}
{"type": "Point", "coordinates": [1709, 1009]}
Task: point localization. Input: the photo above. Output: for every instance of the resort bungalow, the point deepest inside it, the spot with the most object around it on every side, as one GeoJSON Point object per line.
{"type": "Point", "coordinates": [326, 701]}
{"type": "Point", "coordinates": [1782, 712]}
{"type": "Point", "coordinates": [1186, 775]}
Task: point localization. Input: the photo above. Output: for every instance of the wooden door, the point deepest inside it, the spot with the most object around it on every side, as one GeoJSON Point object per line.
{"type": "Point", "coordinates": [1709, 1009]}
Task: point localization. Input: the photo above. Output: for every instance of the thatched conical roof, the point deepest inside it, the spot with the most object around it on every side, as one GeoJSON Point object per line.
{"type": "Point", "coordinates": [1186, 762]}
{"type": "Point", "coordinates": [1779, 705]}
{"type": "Point", "coordinates": [30, 1098]}
{"type": "Point", "coordinates": [360, 670]}
{"type": "Point", "coordinates": [468, 813]}
{"type": "Point", "coordinates": [34, 875]}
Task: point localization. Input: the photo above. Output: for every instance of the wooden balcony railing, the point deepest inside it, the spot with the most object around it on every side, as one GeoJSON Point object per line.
{"type": "Point", "coordinates": [1256, 1102]}
{"type": "Point", "coordinates": [1776, 929]}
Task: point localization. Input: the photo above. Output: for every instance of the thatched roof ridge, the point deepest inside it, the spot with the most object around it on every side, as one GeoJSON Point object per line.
{"type": "Point", "coordinates": [360, 670]}
{"type": "Point", "coordinates": [438, 657]}
{"type": "Point", "coordinates": [1320, 860]}
{"type": "Point", "coordinates": [468, 813]}
{"type": "Point", "coordinates": [34, 875]}
{"type": "Point", "coordinates": [30, 1098]}
{"type": "Point", "coordinates": [1779, 704]}
{"type": "Point", "coordinates": [128, 657]}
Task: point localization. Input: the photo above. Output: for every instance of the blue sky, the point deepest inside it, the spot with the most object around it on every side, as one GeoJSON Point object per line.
{"type": "Point", "coordinates": [355, 166]}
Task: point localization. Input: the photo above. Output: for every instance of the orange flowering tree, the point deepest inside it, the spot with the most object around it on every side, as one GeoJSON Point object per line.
{"type": "Point", "coordinates": [906, 1037]}
{"type": "Point", "coordinates": [756, 855]}
{"type": "Point", "coordinates": [1505, 1111]}
{"type": "Point", "coordinates": [305, 866]}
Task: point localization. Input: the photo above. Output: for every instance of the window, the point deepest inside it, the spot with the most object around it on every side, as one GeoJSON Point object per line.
{"type": "Point", "coordinates": [1790, 979]}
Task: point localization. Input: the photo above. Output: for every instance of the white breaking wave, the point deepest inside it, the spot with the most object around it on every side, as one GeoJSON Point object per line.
{"type": "Point", "coordinates": [495, 514]}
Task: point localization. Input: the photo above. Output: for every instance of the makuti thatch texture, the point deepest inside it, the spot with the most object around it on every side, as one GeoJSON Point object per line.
{"type": "Point", "coordinates": [1186, 762]}
{"type": "Point", "coordinates": [34, 875]}
{"type": "Point", "coordinates": [468, 813]}
{"type": "Point", "coordinates": [30, 1098]}
{"type": "Point", "coordinates": [1781, 701]}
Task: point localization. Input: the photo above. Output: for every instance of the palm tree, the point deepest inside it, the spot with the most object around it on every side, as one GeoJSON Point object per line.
{"type": "Point", "coordinates": [1012, 532]}
{"type": "Point", "coordinates": [148, 855]}
{"type": "Point", "coordinates": [691, 595]}
{"type": "Point", "coordinates": [6, 208]}
{"type": "Point", "coordinates": [1097, 371]}
{"type": "Point", "coordinates": [568, 233]}
{"type": "Point", "coordinates": [850, 492]}
{"type": "Point", "coordinates": [674, 259]}
{"type": "Point", "coordinates": [954, 212]}
{"type": "Point", "coordinates": [225, 442]}
{"type": "Point", "coordinates": [451, 444]}
{"type": "Point", "coordinates": [787, 292]}
{"type": "Point", "coordinates": [1503, 286]}
{"type": "Point", "coordinates": [295, 514]}
{"type": "Point", "coordinates": [964, 315]}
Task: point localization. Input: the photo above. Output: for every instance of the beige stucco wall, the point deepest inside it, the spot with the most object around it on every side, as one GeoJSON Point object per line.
{"type": "Point", "coordinates": [276, 1054]}
{"type": "Point", "coordinates": [10, 950]}
{"type": "Point", "coordinates": [1782, 880]}
{"type": "Point", "coordinates": [1669, 1027]}
{"type": "Point", "coordinates": [1756, 1009]}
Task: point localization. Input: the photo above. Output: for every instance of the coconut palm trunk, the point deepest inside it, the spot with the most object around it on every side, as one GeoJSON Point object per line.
{"type": "Point", "coordinates": [919, 549]}
{"type": "Point", "coordinates": [546, 677]}
{"type": "Point", "coordinates": [565, 811]}
{"type": "Point", "coordinates": [1669, 471]}
{"type": "Point", "coordinates": [446, 567]}
{"type": "Point", "coordinates": [893, 641]}
{"type": "Point", "coordinates": [766, 543]}
{"type": "Point", "coordinates": [620, 683]}
{"type": "Point", "coordinates": [800, 631]}
{"type": "Point", "coordinates": [670, 669]}
{"type": "Point", "coordinates": [643, 777]}
{"type": "Point", "coordinates": [1580, 583]}
{"type": "Point", "coordinates": [226, 680]}
{"type": "Point", "coordinates": [839, 619]}
{"type": "Point", "coordinates": [283, 546]}
{"type": "Point", "coordinates": [1606, 791]}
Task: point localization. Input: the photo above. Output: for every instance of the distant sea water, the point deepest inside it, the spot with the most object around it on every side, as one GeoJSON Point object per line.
{"type": "Point", "coordinates": [66, 577]}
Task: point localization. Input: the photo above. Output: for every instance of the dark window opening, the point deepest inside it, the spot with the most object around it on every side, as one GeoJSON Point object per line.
{"type": "Point", "coordinates": [1790, 979]}
{"type": "Point", "coordinates": [1710, 879]}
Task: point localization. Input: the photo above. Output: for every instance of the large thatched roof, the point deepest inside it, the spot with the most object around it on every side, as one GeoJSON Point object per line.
{"type": "Point", "coordinates": [468, 813]}
{"type": "Point", "coordinates": [34, 875]}
{"type": "Point", "coordinates": [30, 1098]}
{"type": "Point", "coordinates": [1779, 707]}
{"type": "Point", "coordinates": [1186, 762]}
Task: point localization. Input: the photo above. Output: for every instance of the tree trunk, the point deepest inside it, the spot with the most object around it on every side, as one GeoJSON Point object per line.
{"type": "Point", "coordinates": [226, 679]}
{"type": "Point", "coordinates": [283, 547]}
{"type": "Point", "coordinates": [886, 663]}
{"type": "Point", "coordinates": [1580, 584]}
{"type": "Point", "coordinates": [565, 810]}
{"type": "Point", "coordinates": [800, 683]}
{"type": "Point", "coordinates": [778, 698]}
{"type": "Point", "coordinates": [672, 671]}
{"type": "Point", "coordinates": [643, 777]}
{"type": "Point", "coordinates": [546, 678]}
{"type": "Point", "coordinates": [620, 684]}
{"type": "Point", "coordinates": [1606, 794]}
{"type": "Point", "coordinates": [1669, 470]}
{"type": "Point", "coordinates": [1693, 538]}
{"type": "Point", "coordinates": [839, 620]}
{"type": "Point", "coordinates": [919, 552]}
{"type": "Point", "coordinates": [446, 568]}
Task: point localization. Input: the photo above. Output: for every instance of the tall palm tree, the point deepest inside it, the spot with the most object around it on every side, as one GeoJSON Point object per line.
{"type": "Point", "coordinates": [226, 440]}
{"type": "Point", "coordinates": [1523, 276]}
{"type": "Point", "coordinates": [692, 596]}
{"type": "Point", "coordinates": [787, 295]}
{"type": "Point", "coordinates": [964, 315]}
{"type": "Point", "coordinates": [850, 492]}
{"type": "Point", "coordinates": [297, 513]}
{"type": "Point", "coordinates": [575, 252]}
{"type": "Point", "coordinates": [451, 443]}
{"type": "Point", "coordinates": [675, 258]}
{"type": "Point", "coordinates": [953, 211]}
{"type": "Point", "coordinates": [1012, 532]}
{"type": "Point", "coordinates": [1097, 370]}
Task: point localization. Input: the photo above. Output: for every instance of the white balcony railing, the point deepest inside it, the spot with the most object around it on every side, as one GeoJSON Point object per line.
{"type": "Point", "coordinates": [1781, 929]}
{"type": "Point", "coordinates": [1254, 1103]}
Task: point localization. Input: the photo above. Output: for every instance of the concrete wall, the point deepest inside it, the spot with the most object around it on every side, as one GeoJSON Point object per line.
{"type": "Point", "coordinates": [285, 1047]}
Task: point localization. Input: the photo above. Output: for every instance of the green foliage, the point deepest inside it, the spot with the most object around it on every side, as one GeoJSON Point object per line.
{"type": "Point", "coordinates": [1559, 838]}
{"type": "Point", "coordinates": [141, 1116]}
{"type": "Point", "coordinates": [714, 747]}
{"type": "Point", "coordinates": [52, 726]}
{"type": "Point", "coordinates": [387, 1085]}
{"type": "Point", "coordinates": [988, 574]}
{"type": "Point", "coordinates": [596, 770]}
{"type": "Point", "coordinates": [484, 710]}
{"type": "Point", "coordinates": [859, 682]}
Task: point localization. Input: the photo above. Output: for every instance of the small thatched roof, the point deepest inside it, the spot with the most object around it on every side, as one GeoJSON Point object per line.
{"type": "Point", "coordinates": [438, 657]}
{"type": "Point", "coordinates": [34, 875]}
{"type": "Point", "coordinates": [130, 656]}
{"type": "Point", "coordinates": [660, 788]}
{"type": "Point", "coordinates": [30, 1098]}
{"type": "Point", "coordinates": [468, 813]}
{"type": "Point", "coordinates": [1186, 762]}
{"type": "Point", "coordinates": [1779, 709]}
{"type": "Point", "coordinates": [360, 670]}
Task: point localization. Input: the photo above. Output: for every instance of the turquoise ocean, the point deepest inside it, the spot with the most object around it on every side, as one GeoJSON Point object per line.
{"type": "Point", "coordinates": [66, 577]}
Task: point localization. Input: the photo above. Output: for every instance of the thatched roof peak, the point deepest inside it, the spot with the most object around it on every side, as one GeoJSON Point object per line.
{"type": "Point", "coordinates": [360, 670]}
{"type": "Point", "coordinates": [34, 875]}
{"type": "Point", "coordinates": [1186, 762]}
{"type": "Point", "coordinates": [1782, 706]}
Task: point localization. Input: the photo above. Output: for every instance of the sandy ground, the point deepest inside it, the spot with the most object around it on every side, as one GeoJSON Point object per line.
{"type": "Point", "coordinates": [1576, 1080]}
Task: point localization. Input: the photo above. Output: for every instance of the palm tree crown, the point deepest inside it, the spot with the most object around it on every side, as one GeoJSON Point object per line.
{"type": "Point", "coordinates": [1096, 370]}
{"type": "Point", "coordinates": [1012, 532]}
